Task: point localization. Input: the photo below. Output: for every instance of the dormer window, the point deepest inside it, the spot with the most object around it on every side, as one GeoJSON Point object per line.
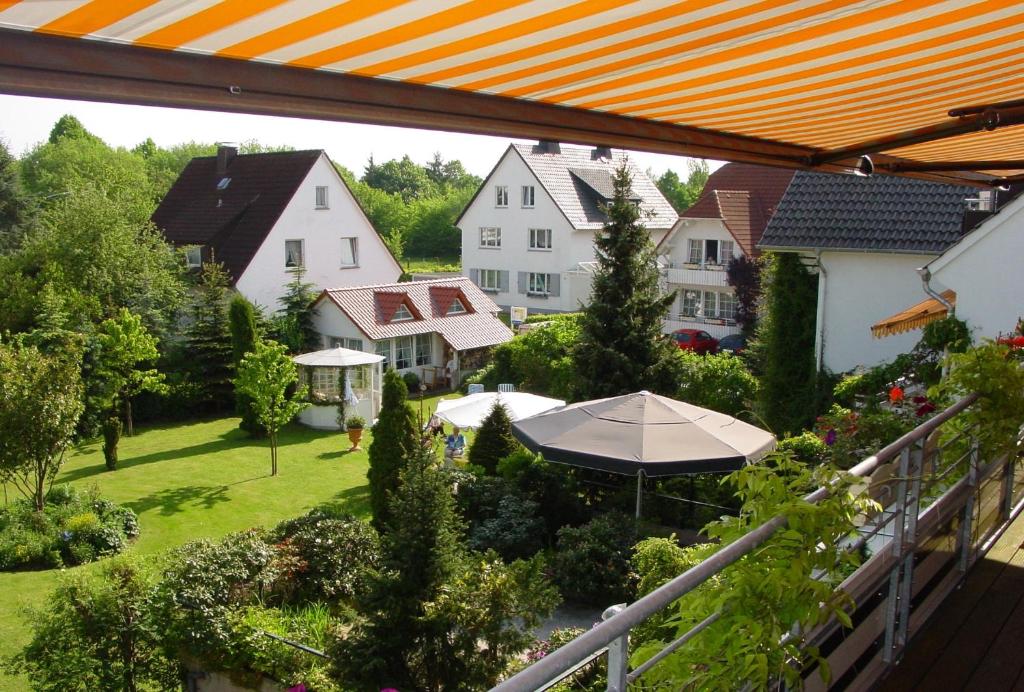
{"type": "Point", "coordinates": [456, 308]}
{"type": "Point", "coordinates": [321, 197]}
{"type": "Point", "coordinates": [402, 314]}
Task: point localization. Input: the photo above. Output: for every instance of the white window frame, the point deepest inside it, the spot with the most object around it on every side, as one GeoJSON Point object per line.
{"type": "Point", "coordinates": [423, 352]}
{"type": "Point", "coordinates": [302, 252]}
{"type": "Point", "coordinates": [689, 302]}
{"type": "Point", "coordinates": [321, 200]}
{"type": "Point", "coordinates": [382, 347]}
{"type": "Point", "coordinates": [538, 284]}
{"type": "Point", "coordinates": [353, 246]}
{"type": "Point", "coordinates": [459, 310]}
{"type": "Point", "coordinates": [490, 279]}
{"type": "Point", "coordinates": [402, 314]}
{"type": "Point", "coordinates": [501, 196]}
{"type": "Point", "coordinates": [540, 239]}
{"type": "Point", "coordinates": [194, 257]}
{"type": "Point", "coordinates": [325, 383]}
{"type": "Point", "coordinates": [726, 248]}
{"type": "Point", "coordinates": [727, 306]}
{"type": "Point", "coordinates": [695, 251]}
{"type": "Point", "coordinates": [405, 352]}
{"type": "Point", "coordinates": [709, 305]}
{"type": "Point", "coordinates": [490, 237]}
{"type": "Point", "coordinates": [529, 196]}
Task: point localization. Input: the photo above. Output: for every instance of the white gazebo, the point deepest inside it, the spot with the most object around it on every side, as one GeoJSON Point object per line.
{"type": "Point", "coordinates": [335, 374]}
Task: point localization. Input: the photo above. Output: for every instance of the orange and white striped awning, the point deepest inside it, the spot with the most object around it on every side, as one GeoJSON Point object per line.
{"type": "Point", "coordinates": [914, 317]}
{"type": "Point", "coordinates": [797, 83]}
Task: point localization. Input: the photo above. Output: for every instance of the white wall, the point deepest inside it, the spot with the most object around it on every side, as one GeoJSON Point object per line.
{"type": "Point", "coordinates": [859, 289]}
{"type": "Point", "coordinates": [515, 255]}
{"type": "Point", "coordinates": [266, 278]}
{"type": "Point", "coordinates": [984, 270]}
{"type": "Point", "coordinates": [681, 276]}
{"type": "Point", "coordinates": [677, 249]}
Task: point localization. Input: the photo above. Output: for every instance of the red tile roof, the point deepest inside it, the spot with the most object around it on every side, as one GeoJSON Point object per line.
{"type": "Point", "coordinates": [371, 308]}
{"type": "Point", "coordinates": [744, 196]}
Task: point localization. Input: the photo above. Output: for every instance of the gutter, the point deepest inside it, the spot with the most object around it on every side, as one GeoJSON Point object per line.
{"type": "Point", "coordinates": [819, 350]}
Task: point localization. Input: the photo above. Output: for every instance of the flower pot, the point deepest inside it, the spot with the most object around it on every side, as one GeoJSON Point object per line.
{"type": "Point", "coordinates": [354, 436]}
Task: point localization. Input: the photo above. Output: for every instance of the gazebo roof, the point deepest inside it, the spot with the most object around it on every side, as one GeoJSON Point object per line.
{"type": "Point", "coordinates": [337, 358]}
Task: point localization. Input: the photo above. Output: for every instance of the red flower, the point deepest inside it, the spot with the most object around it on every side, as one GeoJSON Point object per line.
{"type": "Point", "coordinates": [925, 408]}
{"type": "Point", "coordinates": [896, 395]}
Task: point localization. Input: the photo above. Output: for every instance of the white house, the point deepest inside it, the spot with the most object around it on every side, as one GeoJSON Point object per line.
{"type": "Point", "coordinates": [983, 269]}
{"type": "Point", "coordinates": [262, 215]}
{"type": "Point", "coordinates": [528, 233]}
{"type": "Point", "coordinates": [865, 238]}
{"type": "Point", "coordinates": [417, 326]}
{"type": "Point", "coordinates": [727, 221]}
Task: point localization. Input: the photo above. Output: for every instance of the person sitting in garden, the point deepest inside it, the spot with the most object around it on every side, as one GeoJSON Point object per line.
{"type": "Point", "coordinates": [432, 430]}
{"type": "Point", "coordinates": [454, 444]}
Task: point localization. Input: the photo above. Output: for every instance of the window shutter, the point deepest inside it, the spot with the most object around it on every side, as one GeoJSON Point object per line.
{"type": "Point", "coordinates": [503, 281]}
{"type": "Point", "coordinates": [554, 285]}
{"type": "Point", "coordinates": [474, 276]}
{"type": "Point", "coordinates": [522, 282]}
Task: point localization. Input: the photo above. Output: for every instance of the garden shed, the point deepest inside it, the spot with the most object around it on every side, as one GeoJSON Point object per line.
{"type": "Point", "coordinates": [340, 375]}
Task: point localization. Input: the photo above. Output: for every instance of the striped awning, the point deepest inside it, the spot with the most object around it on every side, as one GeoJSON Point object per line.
{"type": "Point", "coordinates": [913, 317]}
{"type": "Point", "coordinates": [927, 88]}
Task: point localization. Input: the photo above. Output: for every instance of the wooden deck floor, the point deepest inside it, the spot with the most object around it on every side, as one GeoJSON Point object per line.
{"type": "Point", "coordinates": [976, 639]}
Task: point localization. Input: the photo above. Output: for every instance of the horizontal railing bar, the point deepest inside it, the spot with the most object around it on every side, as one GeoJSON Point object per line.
{"type": "Point", "coordinates": [601, 635]}
{"type": "Point", "coordinates": [690, 634]}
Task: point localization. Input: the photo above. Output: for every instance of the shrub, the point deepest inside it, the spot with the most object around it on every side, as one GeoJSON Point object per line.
{"type": "Point", "coordinates": [493, 441]}
{"type": "Point", "coordinates": [805, 447]}
{"type": "Point", "coordinates": [591, 562]}
{"type": "Point", "coordinates": [412, 381]}
{"type": "Point", "coordinates": [553, 487]}
{"type": "Point", "coordinates": [72, 529]}
{"type": "Point", "coordinates": [537, 361]}
{"type": "Point", "coordinates": [721, 383]}
{"type": "Point", "coordinates": [516, 529]}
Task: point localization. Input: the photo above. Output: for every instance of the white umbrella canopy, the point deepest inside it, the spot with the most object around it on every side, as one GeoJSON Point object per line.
{"type": "Point", "coordinates": [470, 411]}
{"type": "Point", "coordinates": [337, 358]}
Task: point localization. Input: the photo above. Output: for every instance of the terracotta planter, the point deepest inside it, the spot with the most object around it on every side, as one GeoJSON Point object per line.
{"type": "Point", "coordinates": [354, 436]}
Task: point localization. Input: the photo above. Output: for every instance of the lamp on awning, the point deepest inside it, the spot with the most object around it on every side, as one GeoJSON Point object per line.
{"type": "Point", "coordinates": [913, 317]}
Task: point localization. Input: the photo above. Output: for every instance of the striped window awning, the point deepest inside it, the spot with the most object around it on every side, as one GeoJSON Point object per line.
{"type": "Point", "coordinates": [927, 88]}
{"type": "Point", "coordinates": [914, 317]}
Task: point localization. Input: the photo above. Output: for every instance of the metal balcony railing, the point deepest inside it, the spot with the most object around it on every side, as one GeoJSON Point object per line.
{"type": "Point", "coordinates": [940, 514]}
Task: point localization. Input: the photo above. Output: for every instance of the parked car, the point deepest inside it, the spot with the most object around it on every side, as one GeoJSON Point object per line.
{"type": "Point", "coordinates": [696, 340]}
{"type": "Point", "coordinates": [733, 343]}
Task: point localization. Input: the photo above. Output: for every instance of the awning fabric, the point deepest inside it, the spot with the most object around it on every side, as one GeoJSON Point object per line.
{"type": "Point", "coordinates": [764, 81]}
{"type": "Point", "coordinates": [913, 317]}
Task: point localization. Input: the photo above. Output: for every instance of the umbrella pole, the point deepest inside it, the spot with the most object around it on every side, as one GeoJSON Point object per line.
{"type": "Point", "coordinates": [639, 491]}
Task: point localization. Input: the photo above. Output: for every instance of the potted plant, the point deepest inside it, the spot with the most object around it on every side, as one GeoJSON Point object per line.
{"type": "Point", "coordinates": [355, 425]}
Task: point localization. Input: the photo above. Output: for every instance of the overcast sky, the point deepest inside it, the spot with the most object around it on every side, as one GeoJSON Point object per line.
{"type": "Point", "coordinates": [26, 121]}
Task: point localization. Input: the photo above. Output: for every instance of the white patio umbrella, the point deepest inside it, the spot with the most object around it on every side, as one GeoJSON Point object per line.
{"type": "Point", "coordinates": [470, 411]}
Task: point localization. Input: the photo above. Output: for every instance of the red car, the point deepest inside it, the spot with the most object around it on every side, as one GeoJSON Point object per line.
{"type": "Point", "coordinates": [696, 340]}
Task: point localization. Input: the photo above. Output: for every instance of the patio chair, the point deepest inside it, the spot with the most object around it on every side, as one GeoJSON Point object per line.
{"type": "Point", "coordinates": [506, 388]}
{"type": "Point", "coordinates": [474, 389]}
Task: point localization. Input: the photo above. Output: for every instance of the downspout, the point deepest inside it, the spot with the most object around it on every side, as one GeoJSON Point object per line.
{"type": "Point", "coordinates": [819, 354]}
{"type": "Point", "coordinates": [926, 276]}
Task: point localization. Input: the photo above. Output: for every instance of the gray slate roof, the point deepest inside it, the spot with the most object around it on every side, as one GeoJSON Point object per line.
{"type": "Point", "coordinates": [577, 182]}
{"type": "Point", "coordinates": [877, 214]}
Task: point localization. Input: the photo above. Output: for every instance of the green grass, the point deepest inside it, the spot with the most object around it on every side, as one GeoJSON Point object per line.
{"type": "Point", "coordinates": [419, 265]}
{"type": "Point", "coordinates": [199, 480]}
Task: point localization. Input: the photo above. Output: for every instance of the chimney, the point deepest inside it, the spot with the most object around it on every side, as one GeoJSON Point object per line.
{"type": "Point", "coordinates": [548, 146]}
{"type": "Point", "coordinates": [225, 155]}
{"type": "Point", "coordinates": [601, 154]}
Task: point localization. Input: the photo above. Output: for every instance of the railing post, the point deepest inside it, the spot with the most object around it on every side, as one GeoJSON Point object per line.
{"type": "Point", "coordinates": [913, 506]}
{"type": "Point", "coordinates": [967, 518]}
{"type": "Point", "coordinates": [905, 505]}
{"type": "Point", "coordinates": [1008, 473]}
{"type": "Point", "coordinates": [618, 654]}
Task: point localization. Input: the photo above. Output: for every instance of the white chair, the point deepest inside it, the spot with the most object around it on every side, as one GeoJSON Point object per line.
{"type": "Point", "coordinates": [474, 389]}
{"type": "Point", "coordinates": [506, 388]}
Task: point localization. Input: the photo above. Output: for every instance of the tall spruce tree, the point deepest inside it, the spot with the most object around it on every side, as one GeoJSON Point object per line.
{"type": "Point", "coordinates": [209, 339]}
{"type": "Point", "coordinates": [294, 324]}
{"type": "Point", "coordinates": [784, 347]}
{"type": "Point", "coordinates": [493, 441]}
{"type": "Point", "coordinates": [395, 442]}
{"type": "Point", "coordinates": [244, 335]}
{"type": "Point", "coordinates": [621, 348]}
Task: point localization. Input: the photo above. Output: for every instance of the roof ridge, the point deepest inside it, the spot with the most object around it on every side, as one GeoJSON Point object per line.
{"type": "Point", "coordinates": [268, 153]}
{"type": "Point", "coordinates": [396, 284]}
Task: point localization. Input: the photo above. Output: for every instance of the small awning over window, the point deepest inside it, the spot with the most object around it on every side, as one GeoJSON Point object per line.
{"type": "Point", "coordinates": [913, 317]}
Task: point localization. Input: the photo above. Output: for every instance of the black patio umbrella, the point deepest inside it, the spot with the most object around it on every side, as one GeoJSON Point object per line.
{"type": "Point", "coordinates": [643, 434]}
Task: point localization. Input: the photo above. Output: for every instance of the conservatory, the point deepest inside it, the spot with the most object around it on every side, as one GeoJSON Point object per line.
{"type": "Point", "coordinates": [340, 380]}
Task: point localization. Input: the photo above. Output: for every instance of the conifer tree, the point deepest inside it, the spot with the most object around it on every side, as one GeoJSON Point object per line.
{"type": "Point", "coordinates": [621, 348]}
{"type": "Point", "coordinates": [493, 441]}
{"type": "Point", "coordinates": [294, 324]}
{"type": "Point", "coordinates": [244, 335]}
{"type": "Point", "coordinates": [395, 441]}
{"type": "Point", "coordinates": [209, 338]}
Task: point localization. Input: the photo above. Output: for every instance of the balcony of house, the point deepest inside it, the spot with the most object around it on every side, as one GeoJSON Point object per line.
{"type": "Point", "coordinates": [939, 584]}
{"type": "Point", "coordinates": [706, 274]}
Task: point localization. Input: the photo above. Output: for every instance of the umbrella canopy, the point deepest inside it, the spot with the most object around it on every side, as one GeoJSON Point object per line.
{"type": "Point", "coordinates": [645, 433]}
{"type": "Point", "coordinates": [470, 411]}
{"type": "Point", "coordinates": [337, 358]}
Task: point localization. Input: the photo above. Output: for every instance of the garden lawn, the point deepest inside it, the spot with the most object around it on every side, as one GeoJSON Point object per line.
{"type": "Point", "coordinates": [199, 480]}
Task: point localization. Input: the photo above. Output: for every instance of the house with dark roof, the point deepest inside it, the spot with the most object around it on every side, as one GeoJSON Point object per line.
{"type": "Point", "coordinates": [265, 215]}
{"type": "Point", "coordinates": [528, 233]}
{"type": "Point", "coordinates": [417, 326]}
{"type": "Point", "coordinates": [725, 222]}
{"type": "Point", "coordinates": [865, 238]}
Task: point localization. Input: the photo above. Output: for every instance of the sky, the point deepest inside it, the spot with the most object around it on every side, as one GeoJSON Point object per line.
{"type": "Point", "coordinates": [25, 121]}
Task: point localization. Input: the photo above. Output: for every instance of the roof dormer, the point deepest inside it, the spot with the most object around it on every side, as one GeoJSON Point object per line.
{"type": "Point", "coordinates": [394, 306]}
{"type": "Point", "coordinates": [449, 300]}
